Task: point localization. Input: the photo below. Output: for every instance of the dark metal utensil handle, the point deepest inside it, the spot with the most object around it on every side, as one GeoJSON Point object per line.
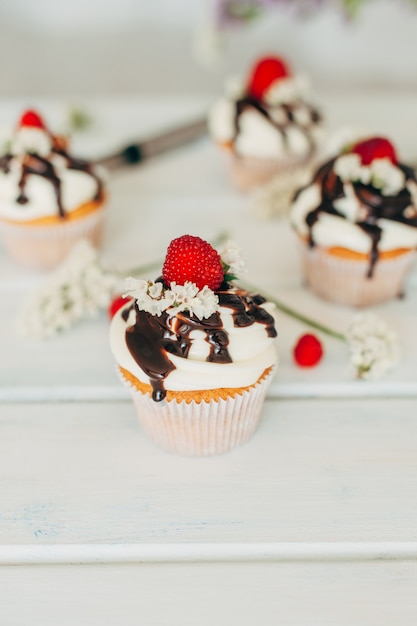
{"type": "Point", "coordinates": [169, 140]}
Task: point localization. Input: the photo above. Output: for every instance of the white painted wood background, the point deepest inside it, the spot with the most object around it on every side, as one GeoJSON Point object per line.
{"type": "Point", "coordinates": [312, 522]}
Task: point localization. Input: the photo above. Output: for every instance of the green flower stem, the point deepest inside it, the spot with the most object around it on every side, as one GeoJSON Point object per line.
{"type": "Point", "coordinates": [295, 314]}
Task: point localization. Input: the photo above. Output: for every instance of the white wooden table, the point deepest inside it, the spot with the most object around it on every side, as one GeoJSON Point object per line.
{"type": "Point", "coordinates": [314, 521]}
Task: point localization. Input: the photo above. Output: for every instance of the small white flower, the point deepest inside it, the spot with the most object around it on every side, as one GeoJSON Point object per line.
{"type": "Point", "coordinates": [383, 174]}
{"type": "Point", "coordinates": [205, 303]}
{"type": "Point", "coordinates": [154, 299]}
{"type": "Point", "coordinates": [149, 296]}
{"type": "Point", "coordinates": [155, 290]}
{"type": "Point", "coordinates": [78, 288]}
{"type": "Point", "coordinates": [349, 167]}
{"type": "Point", "coordinates": [387, 177]}
{"type": "Point", "coordinates": [286, 90]}
{"type": "Point", "coordinates": [373, 347]}
{"type": "Point", "coordinates": [201, 303]}
{"type": "Point", "coordinates": [232, 257]}
{"type": "Point", "coordinates": [135, 287]}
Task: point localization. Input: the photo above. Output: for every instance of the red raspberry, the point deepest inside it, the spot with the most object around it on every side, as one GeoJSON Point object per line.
{"type": "Point", "coordinates": [117, 304]}
{"type": "Point", "coordinates": [192, 259]}
{"type": "Point", "coordinates": [308, 351]}
{"type": "Point", "coordinates": [264, 73]}
{"type": "Point", "coordinates": [375, 148]}
{"type": "Point", "coordinates": [33, 119]}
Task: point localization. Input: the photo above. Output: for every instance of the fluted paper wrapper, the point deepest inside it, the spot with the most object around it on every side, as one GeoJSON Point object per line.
{"type": "Point", "coordinates": [205, 428]}
{"type": "Point", "coordinates": [44, 247]}
{"type": "Point", "coordinates": [249, 173]}
{"type": "Point", "coordinates": [345, 281]}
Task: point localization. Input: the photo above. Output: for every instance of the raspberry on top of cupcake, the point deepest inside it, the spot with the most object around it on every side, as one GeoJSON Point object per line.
{"type": "Point", "coordinates": [363, 200]}
{"type": "Point", "coordinates": [267, 116]}
{"type": "Point", "coordinates": [191, 329]}
{"type": "Point", "coordinates": [40, 182]}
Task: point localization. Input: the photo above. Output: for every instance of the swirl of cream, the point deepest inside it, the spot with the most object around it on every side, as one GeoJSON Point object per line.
{"type": "Point", "coordinates": [343, 228]}
{"type": "Point", "coordinates": [250, 348]}
{"type": "Point", "coordinates": [281, 126]}
{"type": "Point", "coordinates": [77, 188]}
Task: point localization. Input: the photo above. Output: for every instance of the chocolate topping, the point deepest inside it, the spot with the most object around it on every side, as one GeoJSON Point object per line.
{"type": "Point", "coordinates": [374, 205]}
{"type": "Point", "coordinates": [266, 111]}
{"type": "Point", "coordinates": [151, 339]}
{"type": "Point", "coordinates": [36, 165]}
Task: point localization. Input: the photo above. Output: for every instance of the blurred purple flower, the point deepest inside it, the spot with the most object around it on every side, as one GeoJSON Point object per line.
{"type": "Point", "coordinates": [229, 13]}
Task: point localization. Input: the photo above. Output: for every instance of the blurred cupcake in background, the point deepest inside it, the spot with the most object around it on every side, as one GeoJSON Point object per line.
{"type": "Point", "coordinates": [48, 199]}
{"type": "Point", "coordinates": [267, 128]}
{"type": "Point", "coordinates": [356, 222]}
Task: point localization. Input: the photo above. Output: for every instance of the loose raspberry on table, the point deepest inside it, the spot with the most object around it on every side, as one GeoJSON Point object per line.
{"type": "Point", "coordinates": [265, 72]}
{"type": "Point", "coordinates": [192, 259]}
{"type": "Point", "coordinates": [308, 351]}
{"type": "Point", "coordinates": [375, 148]}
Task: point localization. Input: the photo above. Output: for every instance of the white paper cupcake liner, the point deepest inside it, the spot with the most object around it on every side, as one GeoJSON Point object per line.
{"type": "Point", "coordinates": [249, 173]}
{"type": "Point", "coordinates": [205, 428]}
{"type": "Point", "coordinates": [345, 281]}
{"type": "Point", "coordinates": [44, 247]}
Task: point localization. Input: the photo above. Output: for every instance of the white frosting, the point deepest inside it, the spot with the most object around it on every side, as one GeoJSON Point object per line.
{"type": "Point", "coordinates": [221, 120]}
{"type": "Point", "coordinates": [77, 187]}
{"type": "Point", "coordinates": [334, 231]}
{"type": "Point", "coordinates": [257, 136]}
{"type": "Point", "coordinates": [250, 348]}
{"type": "Point", "coordinates": [30, 139]}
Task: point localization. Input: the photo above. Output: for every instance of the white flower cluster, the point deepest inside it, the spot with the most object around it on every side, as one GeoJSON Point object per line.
{"type": "Point", "coordinates": [78, 288]}
{"type": "Point", "coordinates": [373, 347]}
{"type": "Point", "coordinates": [383, 174]}
{"type": "Point", "coordinates": [24, 140]}
{"type": "Point", "coordinates": [232, 258]}
{"type": "Point", "coordinates": [286, 90]}
{"type": "Point", "coordinates": [153, 298]}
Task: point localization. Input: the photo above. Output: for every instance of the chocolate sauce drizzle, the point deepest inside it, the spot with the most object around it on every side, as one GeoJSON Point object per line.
{"type": "Point", "coordinates": [249, 101]}
{"type": "Point", "coordinates": [35, 165]}
{"type": "Point", "coordinates": [374, 206]}
{"type": "Point", "coordinates": [151, 339]}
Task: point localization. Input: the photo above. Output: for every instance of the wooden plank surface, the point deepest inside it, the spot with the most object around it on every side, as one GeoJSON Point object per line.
{"type": "Point", "coordinates": [294, 594]}
{"type": "Point", "coordinates": [311, 522]}
{"type": "Point", "coordinates": [316, 471]}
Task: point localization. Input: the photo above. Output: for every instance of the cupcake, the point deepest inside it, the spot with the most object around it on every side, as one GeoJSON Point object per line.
{"type": "Point", "coordinates": [357, 225]}
{"type": "Point", "coordinates": [267, 128]}
{"type": "Point", "coordinates": [196, 351]}
{"type": "Point", "coordinates": [48, 199]}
